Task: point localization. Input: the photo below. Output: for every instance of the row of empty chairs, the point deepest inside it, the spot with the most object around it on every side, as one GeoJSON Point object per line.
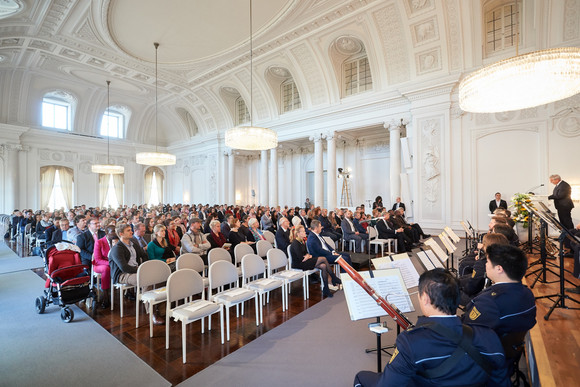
{"type": "Point", "coordinates": [227, 285]}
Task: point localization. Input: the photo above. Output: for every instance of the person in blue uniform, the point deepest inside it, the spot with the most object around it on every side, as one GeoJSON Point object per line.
{"type": "Point", "coordinates": [428, 354]}
{"type": "Point", "coordinates": [507, 306]}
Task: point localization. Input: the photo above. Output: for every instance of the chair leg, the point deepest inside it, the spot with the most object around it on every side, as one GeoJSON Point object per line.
{"type": "Point", "coordinates": [151, 321]}
{"type": "Point", "coordinates": [222, 321]}
{"type": "Point", "coordinates": [257, 312]}
{"type": "Point", "coordinates": [228, 322]}
{"type": "Point", "coordinates": [112, 296]}
{"type": "Point", "coordinates": [183, 340]}
{"type": "Point", "coordinates": [167, 329]}
{"type": "Point", "coordinates": [121, 291]}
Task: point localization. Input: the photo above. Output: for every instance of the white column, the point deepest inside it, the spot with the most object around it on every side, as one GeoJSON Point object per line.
{"type": "Point", "coordinates": [231, 178]}
{"type": "Point", "coordinates": [318, 172]}
{"type": "Point", "coordinates": [331, 170]}
{"type": "Point", "coordinates": [264, 178]}
{"type": "Point", "coordinates": [223, 193]}
{"type": "Point", "coordinates": [11, 181]}
{"type": "Point", "coordinates": [395, 147]}
{"type": "Point", "coordinates": [274, 177]}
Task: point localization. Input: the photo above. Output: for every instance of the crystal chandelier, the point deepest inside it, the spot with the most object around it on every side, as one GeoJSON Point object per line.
{"type": "Point", "coordinates": [522, 81]}
{"type": "Point", "coordinates": [251, 137]}
{"type": "Point", "coordinates": [108, 169]}
{"type": "Point", "coordinates": [155, 158]}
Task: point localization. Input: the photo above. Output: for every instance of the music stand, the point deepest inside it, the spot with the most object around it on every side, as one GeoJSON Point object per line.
{"type": "Point", "coordinates": [561, 297]}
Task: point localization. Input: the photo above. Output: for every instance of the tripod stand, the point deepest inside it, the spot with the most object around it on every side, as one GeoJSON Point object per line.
{"type": "Point", "coordinates": [379, 349]}
{"type": "Point", "coordinates": [541, 272]}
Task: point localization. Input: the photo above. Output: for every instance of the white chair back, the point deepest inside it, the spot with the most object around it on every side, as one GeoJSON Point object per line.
{"type": "Point", "coordinates": [222, 273]}
{"type": "Point", "coordinates": [190, 261]}
{"type": "Point", "coordinates": [152, 272]}
{"type": "Point", "coordinates": [263, 247]}
{"type": "Point", "coordinates": [270, 237]}
{"type": "Point", "coordinates": [289, 254]}
{"type": "Point", "coordinates": [218, 254]}
{"type": "Point", "coordinates": [183, 283]}
{"type": "Point", "coordinates": [276, 260]}
{"type": "Point", "coordinates": [241, 250]}
{"type": "Point", "coordinates": [252, 265]}
{"type": "Point", "coordinates": [330, 242]}
{"type": "Point", "coordinates": [372, 233]}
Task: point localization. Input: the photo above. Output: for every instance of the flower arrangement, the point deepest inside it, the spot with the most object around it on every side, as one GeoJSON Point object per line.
{"type": "Point", "coordinates": [519, 213]}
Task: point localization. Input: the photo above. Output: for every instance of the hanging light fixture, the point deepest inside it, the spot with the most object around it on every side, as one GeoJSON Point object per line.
{"type": "Point", "coordinates": [155, 158]}
{"type": "Point", "coordinates": [251, 137]}
{"type": "Point", "coordinates": [523, 81]}
{"type": "Point", "coordinates": [108, 169]}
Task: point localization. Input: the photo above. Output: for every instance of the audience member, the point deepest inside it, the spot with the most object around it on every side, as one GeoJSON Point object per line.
{"type": "Point", "coordinates": [318, 247]}
{"type": "Point", "coordinates": [101, 262]}
{"type": "Point", "coordinates": [386, 230]}
{"type": "Point", "coordinates": [350, 232]}
{"type": "Point", "coordinates": [283, 235]}
{"type": "Point", "coordinates": [194, 241]}
{"type": "Point", "coordinates": [159, 248]}
{"type": "Point", "coordinates": [398, 204]}
{"type": "Point", "coordinates": [86, 240]}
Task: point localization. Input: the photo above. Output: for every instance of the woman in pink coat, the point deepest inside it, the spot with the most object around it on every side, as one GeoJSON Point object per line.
{"type": "Point", "coordinates": [101, 262]}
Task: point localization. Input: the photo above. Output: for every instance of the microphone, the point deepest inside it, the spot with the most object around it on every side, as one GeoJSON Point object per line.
{"type": "Point", "coordinates": [530, 191]}
{"type": "Point", "coordinates": [369, 220]}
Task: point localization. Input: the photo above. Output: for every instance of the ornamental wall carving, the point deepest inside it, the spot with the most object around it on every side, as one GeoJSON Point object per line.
{"type": "Point", "coordinates": [431, 160]}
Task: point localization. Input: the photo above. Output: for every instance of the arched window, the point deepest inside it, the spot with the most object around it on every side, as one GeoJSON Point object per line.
{"type": "Point", "coordinates": [56, 187]}
{"type": "Point", "coordinates": [114, 121]}
{"type": "Point", "coordinates": [242, 114]}
{"type": "Point", "coordinates": [111, 189]}
{"type": "Point", "coordinates": [57, 110]}
{"type": "Point", "coordinates": [154, 179]}
{"type": "Point", "coordinates": [290, 96]}
{"type": "Point", "coordinates": [356, 76]}
{"type": "Point", "coordinates": [501, 27]}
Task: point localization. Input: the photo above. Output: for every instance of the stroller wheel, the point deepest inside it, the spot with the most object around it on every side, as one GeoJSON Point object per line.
{"type": "Point", "coordinates": [67, 314]}
{"type": "Point", "coordinates": [40, 304]}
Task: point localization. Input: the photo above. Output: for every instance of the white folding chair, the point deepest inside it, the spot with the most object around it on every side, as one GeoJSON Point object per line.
{"type": "Point", "coordinates": [270, 237]}
{"type": "Point", "coordinates": [218, 254]}
{"type": "Point", "coordinates": [307, 273]}
{"type": "Point", "coordinates": [336, 266]}
{"type": "Point", "coordinates": [240, 251]}
{"type": "Point", "coordinates": [122, 288]}
{"type": "Point", "coordinates": [252, 267]}
{"type": "Point", "coordinates": [223, 273]}
{"type": "Point", "coordinates": [150, 273]}
{"type": "Point", "coordinates": [195, 262]}
{"type": "Point", "coordinates": [278, 268]}
{"type": "Point", "coordinates": [390, 243]}
{"type": "Point", "coordinates": [183, 285]}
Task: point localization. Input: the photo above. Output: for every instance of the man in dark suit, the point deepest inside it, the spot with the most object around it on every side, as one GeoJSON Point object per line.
{"type": "Point", "coordinates": [386, 231]}
{"type": "Point", "coordinates": [62, 233]}
{"type": "Point", "coordinates": [350, 232]}
{"type": "Point", "coordinates": [317, 246]}
{"type": "Point", "coordinates": [498, 202]}
{"type": "Point", "coordinates": [398, 204]}
{"type": "Point", "coordinates": [86, 240]}
{"type": "Point", "coordinates": [283, 235]}
{"type": "Point", "coordinates": [562, 197]}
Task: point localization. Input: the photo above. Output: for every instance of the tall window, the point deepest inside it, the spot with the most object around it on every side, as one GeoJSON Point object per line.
{"type": "Point", "coordinates": [112, 124]}
{"type": "Point", "coordinates": [357, 76]}
{"type": "Point", "coordinates": [57, 110]}
{"type": "Point", "coordinates": [111, 190]}
{"type": "Point", "coordinates": [56, 187]}
{"type": "Point", "coordinates": [154, 186]}
{"type": "Point", "coordinates": [501, 25]}
{"type": "Point", "coordinates": [242, 114]}
{"type": "Point", "coordinates": [290, 96]}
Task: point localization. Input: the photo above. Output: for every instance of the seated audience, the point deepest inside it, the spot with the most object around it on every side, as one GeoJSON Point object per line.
{"type": "Point", "coordinates": [159, 248]}
{"type": "Point", "coordinates": [226, 225]}
{"type": "Point", "coordinates": [302, 260]}
{"type": "Point", "coordinates": [424, 355]}
{"type": "Point", "coordinates": [327, 228]}
{"type": "Point", "coordinates": [194, 241]}
{"type": "Point", "coordinates": [216, 238]}
{"type": "Point", "coordinates": [62, 234]}
{"type": "Point", "coordinates": [139, 235]}
{"type": "Point", "coordinates": [318, 247]}
{"type": "Point", "coordinates": [350, 232]}
{"type": "Point", "coordinates": [101, 261]}
{"type": "Point", "coordinates": [172, 236]}
{"type": "Point", "coordinates": [283, 235]}
{"type": "Point", "coordinates": [256, 232]}
{"type": "Point", "coordinates": [80, 225]}
{"type": "Point", "coordinates": [386, 230]}
{"type": "Point", "coordinates": [86, 240]}
{"type": "Point", "coordinates": [398, 204]}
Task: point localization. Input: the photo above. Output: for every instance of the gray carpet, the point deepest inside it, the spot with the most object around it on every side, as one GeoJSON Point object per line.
{"type": "Point", "coordinates": [10, 262]}
{"type": "Point", "coordinates": [319, 347]}
{"type": "Point", "coordinates": [41, 350]}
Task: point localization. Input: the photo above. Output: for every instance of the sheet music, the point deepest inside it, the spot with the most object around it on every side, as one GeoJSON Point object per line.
{"type": "Point", "coordinates": [404, 264]}
{"type": "Point", "coordinates": [408, 271]}
{"type": "Point", "coordinates": [198, 305]}
{"type": "Point", "coordinates": [433, 257]}
{"type": "Point", "coordinates": [427, 263]}
{"type": "Point", "coordinates": [388, 283]}
{"type": "Point", "coordinates": [437, 249]}
{"type": "Point", "coordinates": [447, 242]}
{"type": "Point", "coordinates": [467, 230]}
{"type": "Point", "coordinates": [452, 234]}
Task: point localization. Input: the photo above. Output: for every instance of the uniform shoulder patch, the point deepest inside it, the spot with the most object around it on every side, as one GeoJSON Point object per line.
{"type": "Point", "coordinates": [493, 294]}
{"type": "Point", "coordinates": [394, 355]}
{"type": "Point", "coordinates": [474, 314]}
{"type": "Point", "coordinates": [473, 274]}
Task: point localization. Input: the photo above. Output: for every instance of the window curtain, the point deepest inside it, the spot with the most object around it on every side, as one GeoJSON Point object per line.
{"type": "Point", "coordinates": [103, 188]}
{"type": "Point", "coordinates": [159, 180]}
{"type": "Point", "coordinates": [66, 182]}
{"type": "Point", "coordinates": [47, 175]}
{"type": "Point", "coordinates": [118, 181]}
{"type": "Point", "coordinates": [148, 184]}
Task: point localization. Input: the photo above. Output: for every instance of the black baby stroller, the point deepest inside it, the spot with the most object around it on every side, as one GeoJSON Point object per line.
{"type": "Point", "coordinates": [68, 281]}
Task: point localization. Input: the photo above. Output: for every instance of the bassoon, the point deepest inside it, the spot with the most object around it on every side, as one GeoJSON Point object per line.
{"type": "Point", "coordinates": [391, 310]}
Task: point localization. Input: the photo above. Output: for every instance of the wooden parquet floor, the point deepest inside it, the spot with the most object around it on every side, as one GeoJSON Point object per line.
{"type": "Point", "coordinates": [556, 341]}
